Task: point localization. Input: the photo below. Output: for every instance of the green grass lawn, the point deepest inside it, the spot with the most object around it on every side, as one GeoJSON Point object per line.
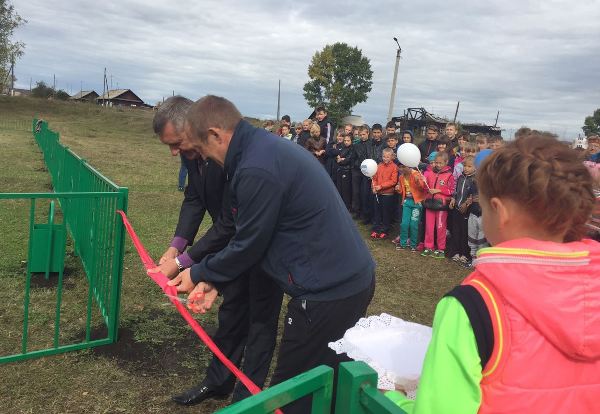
{"type": "Point", "coordinates": [157, 355]}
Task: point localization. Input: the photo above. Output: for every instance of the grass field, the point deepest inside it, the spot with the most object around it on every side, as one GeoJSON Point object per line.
{"type": "Point", "coordinates": [157, 355]}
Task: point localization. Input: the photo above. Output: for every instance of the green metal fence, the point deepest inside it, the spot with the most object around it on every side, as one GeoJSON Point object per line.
{"type": "Point", "coordinates": [85, 207]}
{"type": "Point", "coordinates": [356, 393]}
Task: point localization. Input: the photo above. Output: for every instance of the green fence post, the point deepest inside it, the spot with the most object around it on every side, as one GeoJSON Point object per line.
{"type": "Point", "coordinates": [357, 391]}
{"type": "Point", "coordinates": [117, 274]}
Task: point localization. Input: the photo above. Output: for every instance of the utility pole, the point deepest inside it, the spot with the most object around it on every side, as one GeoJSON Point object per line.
{"type": "Point", "coordinates": [497, 115]}
{"type": "Point", "coordinates": [54, 86]}
{"type": "Point", "coordinates": [278, 99]}
{"type": "Point", "coordinates": [456, 112]}
{"type": "Point", "coordinates": [393, 95]}
{"type": "Point", "coordinates": [104, 88]}
{"type": "Point", "coordinates": [12, 77]}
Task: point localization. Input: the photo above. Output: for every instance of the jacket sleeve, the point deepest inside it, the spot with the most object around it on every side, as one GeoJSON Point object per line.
{"type": "Point", "coordinates": [391, 179]}
{"type": "Point", "coordinates": [191, 214]}
{"type": "Point", "coordinates": [348, 159]}
{"type": "Point", "coordinates": [452, 368]}
{"type": "Point", "coordinates": [449, 187]}
{"type": "Point", "coordinates": [259, 199]}
{"type": "Point", "coordinates": [218, 235]}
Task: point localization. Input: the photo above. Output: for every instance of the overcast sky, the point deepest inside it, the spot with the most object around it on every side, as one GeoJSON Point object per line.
{"type": "Point", "coordinates": [537, 62]}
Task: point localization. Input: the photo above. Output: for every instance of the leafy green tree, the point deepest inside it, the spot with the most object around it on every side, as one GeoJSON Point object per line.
{"type": "Point", "coordinates": [591, 125]}
{"type": "Point", "coordinates": [9, 51]}
{"type": "Point", "coordinates": [42, 91]}
{"type": "Point", "coordinates": [340, 77]}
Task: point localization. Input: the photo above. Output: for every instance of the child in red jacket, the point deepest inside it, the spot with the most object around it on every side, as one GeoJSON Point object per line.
{"type": "Point", "coordinates": [441, 184]}
{"type": "Point", "coordinates": [383, 185]}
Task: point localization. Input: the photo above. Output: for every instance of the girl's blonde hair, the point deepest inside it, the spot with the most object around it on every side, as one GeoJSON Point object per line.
{"type": "Point", "coordinates": [546, 177]}
{"type": "Point", "coordinates": [315, 130]}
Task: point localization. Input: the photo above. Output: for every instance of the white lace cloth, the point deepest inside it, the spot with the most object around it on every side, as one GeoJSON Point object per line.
{"type": "Point", "coordinates": [391, 346]}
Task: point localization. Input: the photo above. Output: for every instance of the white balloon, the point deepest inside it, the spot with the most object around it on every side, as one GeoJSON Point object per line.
{"type": "Point", "coordinates": [409, 155]}
{"type": "Point", "coordinates": [368, 167]}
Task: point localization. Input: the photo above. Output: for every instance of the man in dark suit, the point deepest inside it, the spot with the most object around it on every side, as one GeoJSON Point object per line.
{"type": "Point", "coordinates": [249, 313]}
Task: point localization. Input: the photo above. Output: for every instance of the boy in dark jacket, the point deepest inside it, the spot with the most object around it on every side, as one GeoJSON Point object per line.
{"type": "Point", "coordinates": [361, 185]}
{"type": "Point", "coordinates": [345, 160]}
{"type": "Point", "coordinates": [459, 212]}
{"type": "Point", "coordinates": [430, 144]}
{"type": "Point", "coordinates": [327, 127]}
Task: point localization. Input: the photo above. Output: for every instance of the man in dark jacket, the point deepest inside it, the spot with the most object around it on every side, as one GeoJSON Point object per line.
{"type": "Point", "coordinates": [249, 313]}
{"type": "Point", "coordinates": [286, 211]}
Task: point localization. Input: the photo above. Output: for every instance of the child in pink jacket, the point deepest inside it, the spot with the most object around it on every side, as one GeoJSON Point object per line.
{"type": "Point", "coordinates": [440, 182]}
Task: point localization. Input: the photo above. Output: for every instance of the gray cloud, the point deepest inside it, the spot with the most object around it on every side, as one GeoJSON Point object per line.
{"type": "Point", "coordinates": [536, 62]}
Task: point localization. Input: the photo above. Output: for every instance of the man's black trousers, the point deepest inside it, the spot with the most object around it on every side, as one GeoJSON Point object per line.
{"type": "Point", "coordinates": [308, 328]}
{"type": "Point", "coordinates": [248, 320]}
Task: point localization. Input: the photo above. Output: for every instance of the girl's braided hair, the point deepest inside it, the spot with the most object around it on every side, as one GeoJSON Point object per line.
{"type": "Point", "coordinates": [546, 177]}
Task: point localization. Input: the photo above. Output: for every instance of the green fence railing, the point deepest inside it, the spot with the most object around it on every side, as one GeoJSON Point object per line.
{"type": "Point", "coordinates": [356, 393]}
{"type": "Point", "coordinates": [85, 209]}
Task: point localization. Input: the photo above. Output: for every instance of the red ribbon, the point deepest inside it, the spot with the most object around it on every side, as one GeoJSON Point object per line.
{"type": "Point", "coordinates": [161, 280]}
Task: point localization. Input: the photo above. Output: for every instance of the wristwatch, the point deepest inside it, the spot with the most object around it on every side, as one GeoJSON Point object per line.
{"type": "Point", "coordinates": [179, 266]}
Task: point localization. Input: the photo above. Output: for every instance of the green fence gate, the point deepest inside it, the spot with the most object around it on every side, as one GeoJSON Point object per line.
{"type": "Point", "coordinates": [83, 206]}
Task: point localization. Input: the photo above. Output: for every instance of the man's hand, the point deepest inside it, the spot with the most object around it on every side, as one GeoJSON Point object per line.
{"type": "Point", "coordinates": [434, 191]}
{"type": "Point", "coordinates": [183, 282]}
{"type": "Point", "coordinates": [463, 208]}
{"type": "Point", "coordinates": [452, 203]}
{"type": "Point", "coordinates": [209, 294]}
{"type": "Point", "coordinates": [171, 253]}
{"type": "Point", "coordinates": [168, 268]}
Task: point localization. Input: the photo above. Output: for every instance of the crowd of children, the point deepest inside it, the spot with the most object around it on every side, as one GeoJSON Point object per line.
{"type": "Point", "coordinates": [520, 333]}
{"type": "Point", "coordinates": [437, 199]}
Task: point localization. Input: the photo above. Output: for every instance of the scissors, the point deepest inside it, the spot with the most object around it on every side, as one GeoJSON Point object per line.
{"type": "Point", "coordinates": [193, 303]}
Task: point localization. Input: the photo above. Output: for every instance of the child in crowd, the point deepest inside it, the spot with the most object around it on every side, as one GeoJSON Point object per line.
{"type": "Point", "coordinates": [430, 144]}
{"type": "Point", "coordinates": [412, 190]}
{"type": "Point", "coordinates": [390, 128]}
{"type": "Point", "coordinates": [305, 133]}
{"type": "Point", "coordinates": [451, 134]}
{"type": "Point", "coordinates": [495, 142]}
{"type": "Point", "coordinates": [407, 137]}
{"type": "Point", "coordinates": [361, 185]}
{"type": "Point", "coordinates": [392, 143]}
{"type": "Point", "coordinates": [316, 143]}
{"type": "Point", "coordinates": [475, 232]}
{"type": "Point", "coordinates": [345, 160]}
{"type": "Point", "coordinates": [332, 150]}
{"type": "Point", "coordinates": [470, 150]}
{"type": "Point", "coordinates": [296, 132]}
{"type": "Point", "coordinates": [442, 146]}
{"type": "Point", "coordinates": [482, 142]}
{"type": "Point", "coordinates": [325, 124]}
{"type": "Point", "coordinates": [377, 143]}
{"type": "Point", "coordinates": [348, 130]}
{"type": "Point", "coordinates": [285, 132]}
{"type": "Point", "coordinates": [520, 334]}
{"type": "Point", "coordinates": [459, 212]}
{"type": "Point", "coordinates": [355, 134]}
{"type": "Point", "coordinates": [440, 183]}
{"type": "Point", "coordinates": [383, 185]}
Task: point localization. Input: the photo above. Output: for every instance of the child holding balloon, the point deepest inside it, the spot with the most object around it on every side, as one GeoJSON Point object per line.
{"type": "Point", "coordinates": [383, 185]}
{"type": "Point", "coordinates": [412, 189]}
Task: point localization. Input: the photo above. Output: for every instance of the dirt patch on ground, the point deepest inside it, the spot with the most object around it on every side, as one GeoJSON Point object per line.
{"type": "Point", "coordinates": [159, 344]}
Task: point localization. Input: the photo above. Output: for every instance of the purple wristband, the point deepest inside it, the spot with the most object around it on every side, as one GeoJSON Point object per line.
{"type": "Point", "coordinates": [179, 243]}
{"type": "Point", "coordinates": [185, 260]}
